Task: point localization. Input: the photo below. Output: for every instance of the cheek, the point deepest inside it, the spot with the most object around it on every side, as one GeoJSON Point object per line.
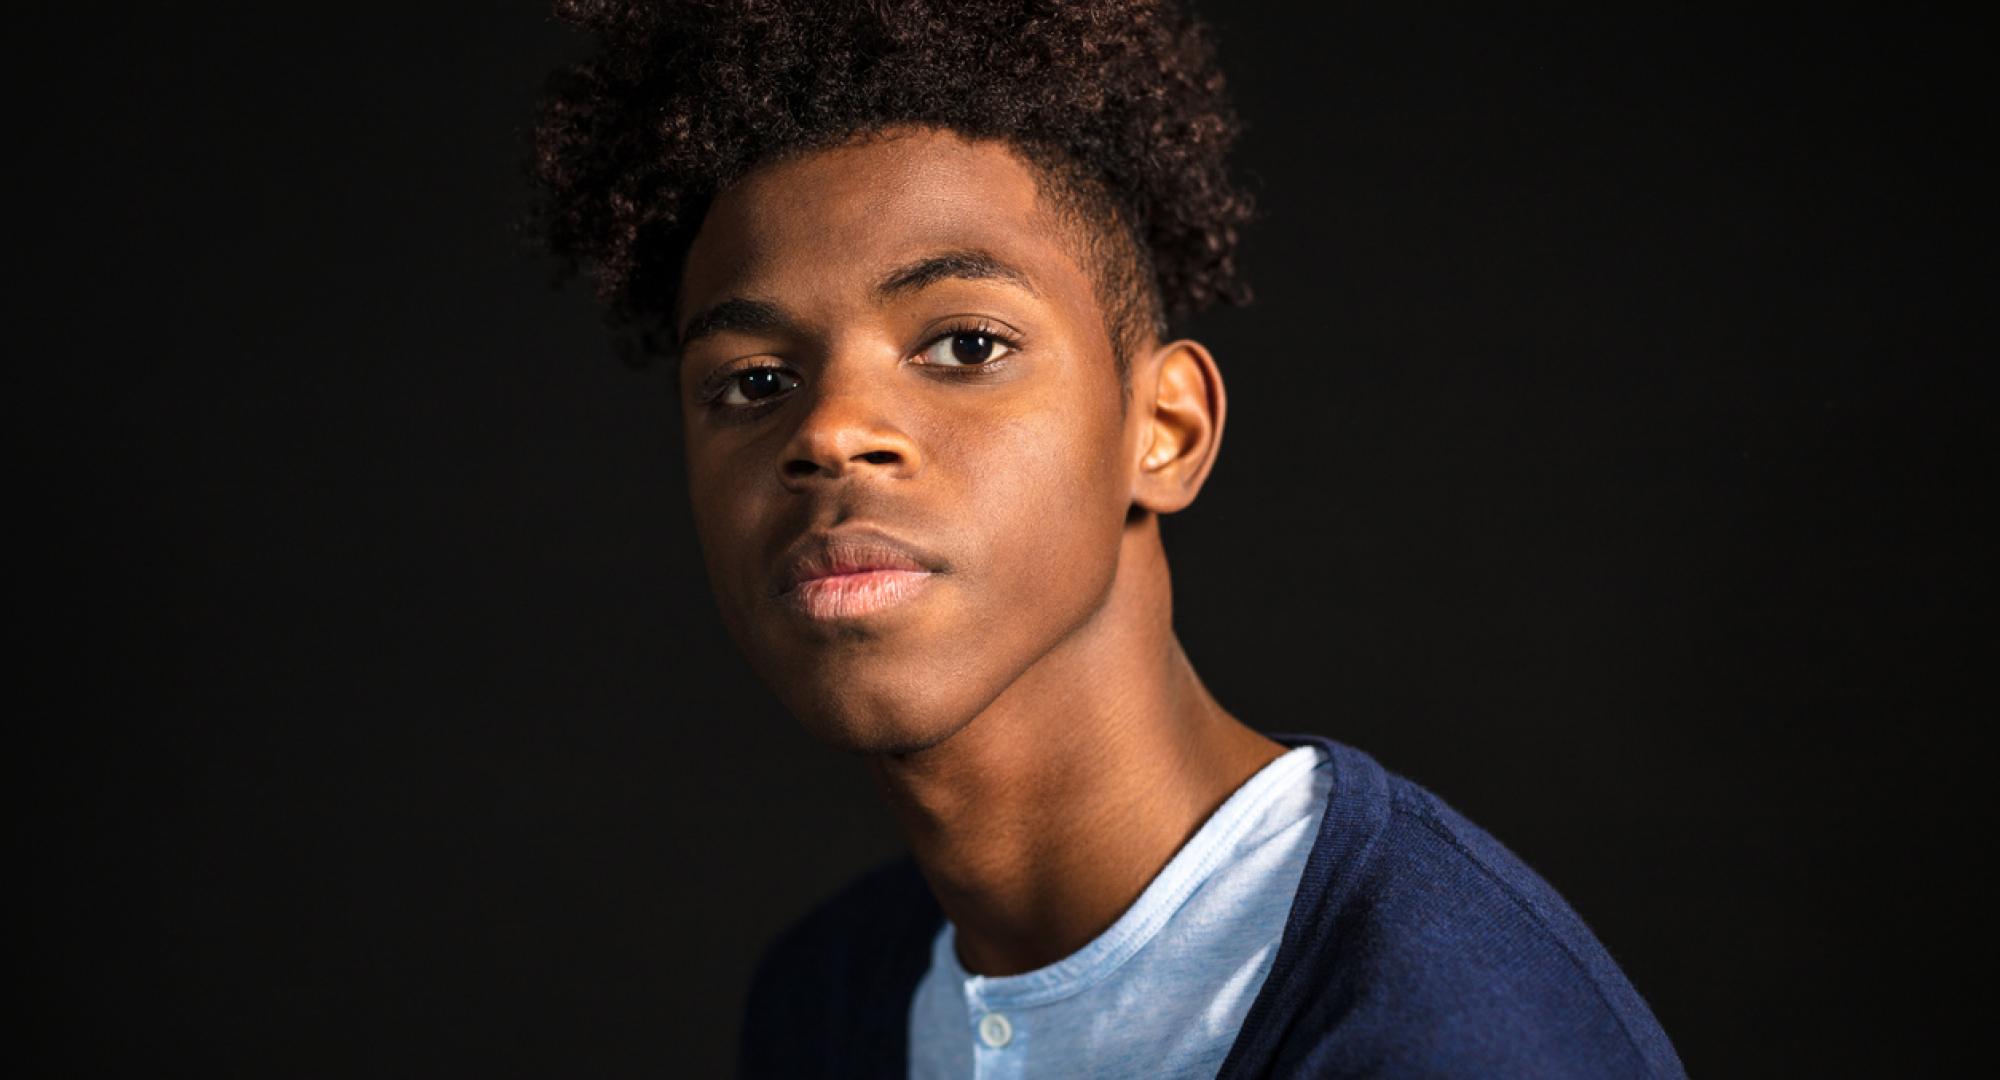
{"type": "Point", "coordinates": [1048, 501]}
{"type": "Point", "coordinates": [725, 507]}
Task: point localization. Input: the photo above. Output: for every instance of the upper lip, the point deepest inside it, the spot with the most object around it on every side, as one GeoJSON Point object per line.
{"type": "Point", "coordinates": [850, 550]}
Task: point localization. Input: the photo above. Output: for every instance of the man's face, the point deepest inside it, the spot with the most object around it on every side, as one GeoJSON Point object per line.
{"type": "Point", "coordinates": [906, 450]}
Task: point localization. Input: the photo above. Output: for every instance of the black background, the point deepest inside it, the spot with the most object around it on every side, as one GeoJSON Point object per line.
{"type": "Point", "coordinates": [1604, 452]}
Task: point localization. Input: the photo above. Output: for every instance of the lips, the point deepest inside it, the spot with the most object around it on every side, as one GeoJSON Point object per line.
{"type": "Point", "coordinates": [823, 559]}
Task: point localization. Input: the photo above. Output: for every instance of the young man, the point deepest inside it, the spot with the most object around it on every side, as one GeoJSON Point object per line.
{"type": "Point", "coordinates": [914, 260]}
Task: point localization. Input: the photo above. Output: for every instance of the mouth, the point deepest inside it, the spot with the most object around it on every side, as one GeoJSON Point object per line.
{"type": "Point", "coordinates": [849, 596]}
{"type": "Point", "coordinates": [853, 572]}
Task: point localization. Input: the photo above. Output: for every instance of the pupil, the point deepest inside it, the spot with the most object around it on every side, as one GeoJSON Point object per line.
{"type": "Point", "coordinates": [971, 348]}
{"type": "Point", "coordinates": [760, 383]}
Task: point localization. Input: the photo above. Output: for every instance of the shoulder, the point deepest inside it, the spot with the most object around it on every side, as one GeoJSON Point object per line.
{"type": "Point", "coordinates": [874, 910]}
{"type": "Point", "coordinates": [829, 993]}
{"type": "Point", "coordinates": [1420, 945]}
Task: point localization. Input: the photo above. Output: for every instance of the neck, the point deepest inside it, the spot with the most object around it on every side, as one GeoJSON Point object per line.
{"type": "Point", "coordinates": [1040, 822]}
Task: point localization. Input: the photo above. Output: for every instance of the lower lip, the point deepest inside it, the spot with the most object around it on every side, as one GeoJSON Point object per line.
{"type": "Point", "coordinates": [848, 596]}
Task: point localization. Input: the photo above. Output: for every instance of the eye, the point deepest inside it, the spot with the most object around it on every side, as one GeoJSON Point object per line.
{"type": "Point", "coordinates": [966, 348]}
{"type": "Point", "coordinates": [752, 385]}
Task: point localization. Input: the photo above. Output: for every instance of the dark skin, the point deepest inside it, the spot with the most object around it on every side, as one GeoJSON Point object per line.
{"type": "Point", "coordinates": [938, 365]}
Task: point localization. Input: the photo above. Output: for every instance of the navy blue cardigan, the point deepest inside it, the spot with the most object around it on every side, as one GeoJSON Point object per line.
{"type": "Point", "coordinates": [1416, 946]}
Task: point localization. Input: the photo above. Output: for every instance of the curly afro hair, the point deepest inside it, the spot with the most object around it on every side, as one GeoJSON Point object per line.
{"type": "Point", "coordinates": [1118, 102]}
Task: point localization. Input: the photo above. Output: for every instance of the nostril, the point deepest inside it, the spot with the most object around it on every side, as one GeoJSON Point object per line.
{"type": "Point", "coordinates": [804, 462]}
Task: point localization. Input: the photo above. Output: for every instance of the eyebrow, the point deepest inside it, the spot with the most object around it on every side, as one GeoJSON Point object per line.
{"type": "Point", "coordinates": [742, 315]}
{"type": "Point", "coordinates": [736, 315]}
{"type": "Point", "coordinates": [970, 264]}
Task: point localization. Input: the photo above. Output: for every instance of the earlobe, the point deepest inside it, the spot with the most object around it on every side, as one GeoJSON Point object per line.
{"type": "Point", "coordinates": [1183, 426]}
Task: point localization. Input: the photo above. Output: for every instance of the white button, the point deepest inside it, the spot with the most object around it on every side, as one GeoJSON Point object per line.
{"type": "Point", "coordinates": [994, 1030]}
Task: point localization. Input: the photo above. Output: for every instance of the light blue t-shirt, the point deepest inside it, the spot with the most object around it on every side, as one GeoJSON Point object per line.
{"type": "Point", "coordinates": [1160, 994]}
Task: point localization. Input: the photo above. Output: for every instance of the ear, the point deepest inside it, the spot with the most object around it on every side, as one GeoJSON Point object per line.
{"type": "Point", "coordinates": [1181, 425]}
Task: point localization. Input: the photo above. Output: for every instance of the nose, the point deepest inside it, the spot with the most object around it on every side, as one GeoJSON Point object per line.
{"type": "Point", "coordinates": [846, 431]}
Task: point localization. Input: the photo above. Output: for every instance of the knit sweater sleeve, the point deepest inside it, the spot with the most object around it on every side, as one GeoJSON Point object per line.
{"type": "Point", "coordinates": [1442, 955]}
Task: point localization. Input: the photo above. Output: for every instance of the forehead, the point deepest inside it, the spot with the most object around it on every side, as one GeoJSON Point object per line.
{"type": "Point", "coordinates": [825, 225]}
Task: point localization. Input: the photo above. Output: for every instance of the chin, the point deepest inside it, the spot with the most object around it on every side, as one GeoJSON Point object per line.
{"type": "Point", "coordinates": [851, 717]}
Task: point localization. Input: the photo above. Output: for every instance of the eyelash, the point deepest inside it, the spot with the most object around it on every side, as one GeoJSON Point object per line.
{"type": "Point", "coordinates": [718, 385]}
